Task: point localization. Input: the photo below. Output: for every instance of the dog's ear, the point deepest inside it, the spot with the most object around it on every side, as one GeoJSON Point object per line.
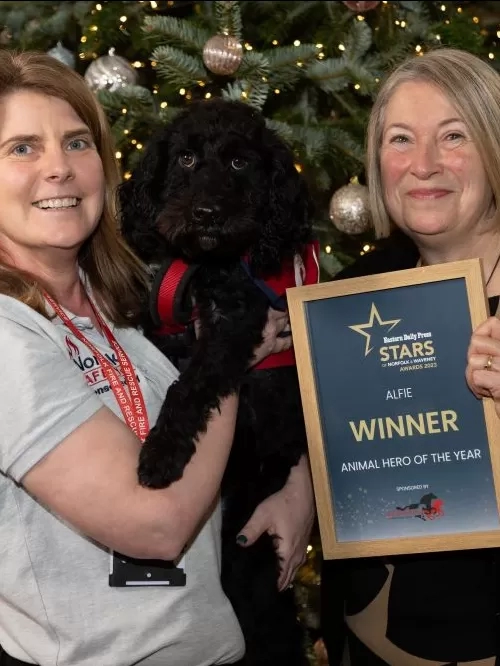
{"type": "Point", "coordinates": [138, 199]}
{"type": "Point", "coordinates": [290, 202]}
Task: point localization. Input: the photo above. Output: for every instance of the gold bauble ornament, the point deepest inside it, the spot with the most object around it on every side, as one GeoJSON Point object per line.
{"type": "Point", "coordinates": [110, 72]}
{"type": "Point", "coordinates": [222, 54]}
{"type": "Point", "coordinates": [361, 6]}
{"type": "Point", "coordinates": [350, 209]}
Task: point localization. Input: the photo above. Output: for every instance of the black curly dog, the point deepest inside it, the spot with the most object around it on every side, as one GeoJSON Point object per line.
{"type": "Point", "coordinates": [216, 185]}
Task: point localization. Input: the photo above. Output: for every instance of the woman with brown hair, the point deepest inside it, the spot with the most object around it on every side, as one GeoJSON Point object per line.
{"type": "Point", "coordinates": [81, 388]}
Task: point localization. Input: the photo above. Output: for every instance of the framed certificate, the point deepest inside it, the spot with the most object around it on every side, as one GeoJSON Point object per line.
{"type": "Point", "coordinates": [404, 458]}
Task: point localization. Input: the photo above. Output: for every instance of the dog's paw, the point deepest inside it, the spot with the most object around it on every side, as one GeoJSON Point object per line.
{"type": "Point", "coordinates": [160, 467]}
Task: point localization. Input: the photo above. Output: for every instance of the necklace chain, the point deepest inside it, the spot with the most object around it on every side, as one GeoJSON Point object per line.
{"type": "Point", "coordinates": [495, 266]}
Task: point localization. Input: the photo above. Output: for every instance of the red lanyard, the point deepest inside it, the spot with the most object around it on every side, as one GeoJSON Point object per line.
{"type": "Point", "coordinates": [131, 403]}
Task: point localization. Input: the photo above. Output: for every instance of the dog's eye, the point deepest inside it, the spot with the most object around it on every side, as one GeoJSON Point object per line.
{"type": "Point", "coordinates": [187, 159]}
{"type": "Point", "coordinates": [238, 163]}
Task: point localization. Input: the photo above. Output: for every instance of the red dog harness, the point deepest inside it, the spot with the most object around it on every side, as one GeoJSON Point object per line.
{"type": "Point", "coordinates": [171, 313]}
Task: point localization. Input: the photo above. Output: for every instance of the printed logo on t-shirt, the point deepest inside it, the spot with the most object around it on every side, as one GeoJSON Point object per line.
{"type": "Point", "coordinates": [91, 367]}
{"type": "Point", "coordinates": [72, 348]}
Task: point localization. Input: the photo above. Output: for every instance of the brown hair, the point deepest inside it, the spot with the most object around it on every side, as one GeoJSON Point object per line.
{"type": "Point", "coordinates": [115, 274]}
{"type": "Point", "coordinates": [471, 85]}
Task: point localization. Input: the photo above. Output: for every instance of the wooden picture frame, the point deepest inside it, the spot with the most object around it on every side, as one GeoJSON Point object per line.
{"type": "Point", "coordinates": [381, 363]}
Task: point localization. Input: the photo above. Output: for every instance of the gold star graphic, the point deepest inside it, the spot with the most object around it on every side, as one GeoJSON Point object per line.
{"type": "Point", "coordinates": [374, 315]}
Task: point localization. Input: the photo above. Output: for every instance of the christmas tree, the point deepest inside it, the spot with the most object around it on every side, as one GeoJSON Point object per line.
{"type": "Point", "coordinates": [312, 68]}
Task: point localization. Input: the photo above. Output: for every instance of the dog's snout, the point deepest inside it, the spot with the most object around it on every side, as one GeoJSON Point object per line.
{"type": "Point", "coordinates": [206, 212]}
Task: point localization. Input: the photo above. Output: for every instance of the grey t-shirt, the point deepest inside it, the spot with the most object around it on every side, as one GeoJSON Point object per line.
{"type": "Point", "coordinates": [56, 607]}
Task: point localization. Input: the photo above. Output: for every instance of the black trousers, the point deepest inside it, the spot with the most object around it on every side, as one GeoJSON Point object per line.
{"type": "Point", "coordinates": [7, 660]}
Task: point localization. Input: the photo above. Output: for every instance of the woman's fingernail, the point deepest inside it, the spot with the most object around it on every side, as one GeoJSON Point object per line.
{"type": "Point", "coordinates": [241, 538]}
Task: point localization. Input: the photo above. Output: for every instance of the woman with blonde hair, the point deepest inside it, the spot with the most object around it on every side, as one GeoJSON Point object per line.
{"type": "Point", "coordinates": [95, 569]}
{"type": "Point", "coordinates": [433, 171]}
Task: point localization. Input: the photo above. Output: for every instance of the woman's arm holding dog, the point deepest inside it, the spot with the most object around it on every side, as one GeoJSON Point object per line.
{"type": "Point", "coordinates": [90, 478]}
{"type": "Point", "coordinates": [289, 515]}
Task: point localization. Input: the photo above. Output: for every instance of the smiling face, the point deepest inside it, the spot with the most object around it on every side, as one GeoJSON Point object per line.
{"type": "Point", "coordinates": [51, 177]}
{"type": "Point", "coordinates": [433, 178]}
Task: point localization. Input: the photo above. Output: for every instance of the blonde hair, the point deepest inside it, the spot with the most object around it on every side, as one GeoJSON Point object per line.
{"type": "Point", "coordinates": [116, 275]}
{"type": "Point", "coordinates": [473, 88]}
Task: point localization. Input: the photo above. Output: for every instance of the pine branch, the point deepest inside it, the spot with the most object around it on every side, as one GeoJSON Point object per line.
{"type": "Point", "coordinates": [322, 180]}
{"type": "Point", "coordinates": [379, 63]}
{"type": "Point", "coordinates": [330, 263]}
{"type": "Point", "coordinates": [133, 98]}
{"type": "Point", "coordinates": [119, 127]}
{"type": "Point", "coordinates": [344, 142]}
{"type": "Point", "coordinates": [299, 10]}
{"type": "Point", "coordinates": [313, 142]}
{"type": "Point", "coordinates": [345, 103]}
{"type": "Point", "coordinates": [254, 66]}
{"type": "Point", "coordinates": [330, 74]}
{"type": "Point", "coordinates": [254, 93]}
{"type": "Point", "coordinates": [358, 40]}
{"type": "Point", "coordinates": [320, 146]}
{"type": "Point", "coordinates": [168, 113]}
{"type": "Point", "coordinates": [134, 159]}
{"type": "Point", "coordinates": [176, 32]}
{"type": "Point", "coordinates": [364, 78]}
{"type": "Point", "coordinates": [35, 24]}
{"type": "Point", "coordinates": [228, 16]}
{"type": "Point", "coordinates": [416, 7]}
{"type": "Point", "coordinates": [285, 131]}
{"type": "Point", "coordinates": [305, 108]}
{"type": "Point", "coordinates": [284, 56]}
{"type": "Point", "coordinates": [178, 68]}
{"type": "Point", "coordinates": [417, 20]}
{"type": "Point", "coordinates": [283, 63]}
{"type": "Point", "coordinates": [57, 23]}
{"type": "Point", "coordinates": [82, 10]}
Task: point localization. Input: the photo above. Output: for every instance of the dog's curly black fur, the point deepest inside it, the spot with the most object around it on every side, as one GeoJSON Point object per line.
{"type": "Point", "coordinates": [214, 185]}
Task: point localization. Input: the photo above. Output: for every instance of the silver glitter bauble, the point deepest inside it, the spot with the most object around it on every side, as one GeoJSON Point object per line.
{"type": "Point", "coordinates": [350, 209]}
{"type": "Point", "coordinates": [222, 54]}
{"type": "Point", "coordinates": [110, 72]}
{"type": "Point", "coordinates": [64, 55]}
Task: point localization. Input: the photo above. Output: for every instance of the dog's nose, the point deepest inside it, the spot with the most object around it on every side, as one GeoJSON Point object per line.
{"type": "Point", "coordinates": [208, 213]}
